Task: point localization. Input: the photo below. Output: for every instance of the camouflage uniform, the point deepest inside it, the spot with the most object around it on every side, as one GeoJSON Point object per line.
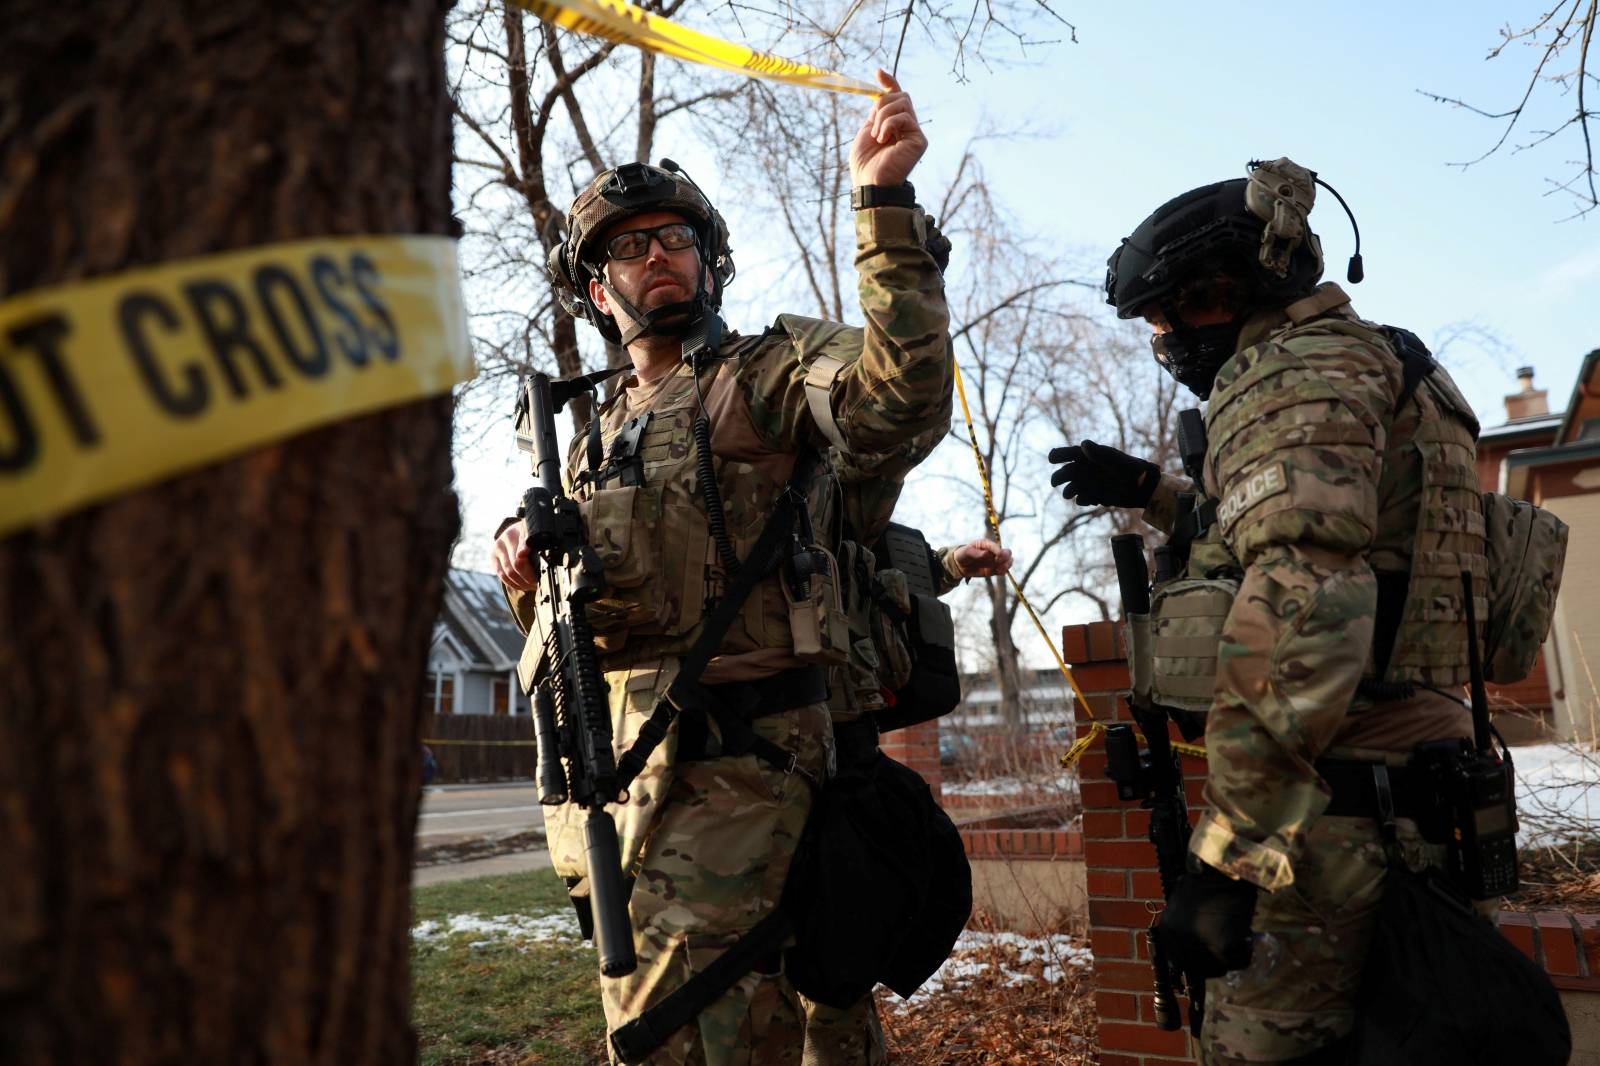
{"type": "Point", "coordinates": [1322, 485]}
{"type": "Point", "coordinates": [710, 841]}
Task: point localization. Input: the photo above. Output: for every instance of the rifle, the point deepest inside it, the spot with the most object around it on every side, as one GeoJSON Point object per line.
{"type": "Point", "coordinates": [572, 721]}
{"type": "Point", "coordinates": [1154, 777]}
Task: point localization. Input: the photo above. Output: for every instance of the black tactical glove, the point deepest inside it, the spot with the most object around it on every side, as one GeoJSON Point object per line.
{"type": "Point", "coordinates": [1205, 929]}
{"type": "Point", "coordinates": [1094, 474]}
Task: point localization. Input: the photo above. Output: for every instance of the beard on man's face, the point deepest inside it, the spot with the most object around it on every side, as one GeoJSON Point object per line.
{"type": "Point", "coordinates": [650, 294]}
{"type": "Point", "coordinates": [661, 287]}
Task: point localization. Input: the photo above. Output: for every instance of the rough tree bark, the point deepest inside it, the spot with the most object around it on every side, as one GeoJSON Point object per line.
{"type": "Point", "coordinates": [210, 690]}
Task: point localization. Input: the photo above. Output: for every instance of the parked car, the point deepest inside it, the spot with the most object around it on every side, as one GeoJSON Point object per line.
{"type": "Point", "coordinates": [957, 748]}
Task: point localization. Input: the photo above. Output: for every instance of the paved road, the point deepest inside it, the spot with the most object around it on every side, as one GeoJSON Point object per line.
{"type": "Point", "coordinates": [461, 812]}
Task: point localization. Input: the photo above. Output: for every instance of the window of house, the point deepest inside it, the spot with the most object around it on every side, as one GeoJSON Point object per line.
{"type": "Point", "coordinates": [1590, 430]}
{"type": "Point", "coordinates": [440, 693]}
{"type": "Point", "coordinates": [500, 695]}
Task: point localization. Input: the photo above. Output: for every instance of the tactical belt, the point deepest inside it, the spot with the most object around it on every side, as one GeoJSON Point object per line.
{"type": "Point", "coordinates": [1356, 789]}
{"type": "Point", "coordinates": [746, 700]}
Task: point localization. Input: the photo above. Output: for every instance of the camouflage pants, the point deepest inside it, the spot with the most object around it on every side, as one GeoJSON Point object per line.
{"type": "Point", "coordinates": [1298, 994]}
{"type": "Point", "coordinates": [849, 1037]}
{"type": "Point", "coordinates": [712, 866]}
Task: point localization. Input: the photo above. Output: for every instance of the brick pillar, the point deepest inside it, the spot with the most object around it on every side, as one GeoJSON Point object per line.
{"type": "Point", "coordinates": [918, 747]}
{"type": "Point", "coordinates": [1124, 889]}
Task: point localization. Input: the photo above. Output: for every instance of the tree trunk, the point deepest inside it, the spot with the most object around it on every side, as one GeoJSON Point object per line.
{"type": "Point", "coordinates": [529, 137]}
{"type": "Point", "coordinates": [210, 690]}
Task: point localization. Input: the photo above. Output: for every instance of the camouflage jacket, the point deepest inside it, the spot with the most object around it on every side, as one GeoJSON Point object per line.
{"type": "Point", "coordinates": [1317, 476]}
{"type": "Point", "coordinates": [893, 393]}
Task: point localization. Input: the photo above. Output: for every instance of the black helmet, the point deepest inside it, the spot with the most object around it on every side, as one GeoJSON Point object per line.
{"type": "Point", "coordinates": [1251, 229]}
{"type": "Point", "coordinates": [635, 189]}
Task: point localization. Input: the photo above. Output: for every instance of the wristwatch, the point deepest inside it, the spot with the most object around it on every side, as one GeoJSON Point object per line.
{"type": "Point", "coordinates": [864, 196]}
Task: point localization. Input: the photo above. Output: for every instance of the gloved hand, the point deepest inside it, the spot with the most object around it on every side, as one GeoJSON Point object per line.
{"type": "Point", "coordinates": [1095, 474]}
{"type": "Point", "coordinates": [1206, 926]}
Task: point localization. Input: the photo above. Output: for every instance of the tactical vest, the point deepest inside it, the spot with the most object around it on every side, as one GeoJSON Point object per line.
{"type": "Point", "coordinates": [1430, 528]}
{"type": "Point", "coordinates": [646, 518]}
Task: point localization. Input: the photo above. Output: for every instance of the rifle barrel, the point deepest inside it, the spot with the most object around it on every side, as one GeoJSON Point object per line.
{"type": "Point", "coordinates": [542, 424]}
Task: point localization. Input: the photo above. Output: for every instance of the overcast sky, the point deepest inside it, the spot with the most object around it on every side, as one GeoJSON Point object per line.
{"type": "Point", "coordinates": [1158, 98]}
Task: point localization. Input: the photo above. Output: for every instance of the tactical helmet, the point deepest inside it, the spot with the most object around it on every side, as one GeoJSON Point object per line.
{"type": "Point", "coordinates": [1251, 229]}
{"type": "Point", "coordinates": [634, 189]}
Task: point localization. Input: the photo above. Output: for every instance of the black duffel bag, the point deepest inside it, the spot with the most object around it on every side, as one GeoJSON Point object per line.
{"type": "Point", "coordinates": [878, 891]}
{"type": "Point", "coordinates": [1441, 984]}
{"type": "Point", "coordinates": [880, 887]}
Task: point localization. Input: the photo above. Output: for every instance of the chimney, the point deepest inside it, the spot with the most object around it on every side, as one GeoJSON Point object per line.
{"type": "Point", "coordinates": [1530, 402]}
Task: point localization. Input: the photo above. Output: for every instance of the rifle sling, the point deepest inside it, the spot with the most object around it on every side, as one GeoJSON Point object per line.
{"type": "Point", "coordinates": [634, 1040]}
{"type": "Point", "coordinates": [681, 693]}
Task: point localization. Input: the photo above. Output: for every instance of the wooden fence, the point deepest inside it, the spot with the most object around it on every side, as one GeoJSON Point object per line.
{"type": "Point", "coordinates": [480, 747]}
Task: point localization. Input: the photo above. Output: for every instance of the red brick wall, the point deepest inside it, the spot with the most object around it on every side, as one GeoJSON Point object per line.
{"type": "Point", "coordinates": [918, 747]}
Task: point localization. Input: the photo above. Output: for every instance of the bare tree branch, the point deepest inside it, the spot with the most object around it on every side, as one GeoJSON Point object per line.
{"type": "Point", "coordinates": [1562, 26]}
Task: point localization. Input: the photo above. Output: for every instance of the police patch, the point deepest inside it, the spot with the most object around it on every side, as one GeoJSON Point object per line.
{"type": "Point", "coordinates": [1268, 481]}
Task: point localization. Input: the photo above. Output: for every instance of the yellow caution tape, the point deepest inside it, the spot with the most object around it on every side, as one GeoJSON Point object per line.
{"type": "Point", "coordinates": [615, 20]}
{"type": "Point", "coordinates": [1081, 745]}
{"type": "Point", "coordinates": [991, 518]}
{"type": "Point", "coordinates": [121, 381]}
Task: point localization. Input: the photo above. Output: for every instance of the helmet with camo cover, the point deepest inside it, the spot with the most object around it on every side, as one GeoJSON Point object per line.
{"type": "Point", "coordinates": [628, 190]}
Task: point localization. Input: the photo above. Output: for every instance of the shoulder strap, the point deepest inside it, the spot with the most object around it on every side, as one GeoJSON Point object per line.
{"type": "Point", "coordinates": [1416, 362]}
{"type": "Point", "coordinates": [819, 397]}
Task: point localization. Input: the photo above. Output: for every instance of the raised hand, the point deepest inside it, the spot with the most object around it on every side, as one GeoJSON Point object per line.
{"type": "Point", "coordinates": [890, 141]}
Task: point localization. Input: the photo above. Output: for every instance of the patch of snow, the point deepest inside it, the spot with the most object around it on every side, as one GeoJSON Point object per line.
{"type": "Point", "coordinates": [502, 927]}
{"type": "Point", "coordinates": [1011, 786]}
{"type": "Point", "coordinates": [1058, 952]}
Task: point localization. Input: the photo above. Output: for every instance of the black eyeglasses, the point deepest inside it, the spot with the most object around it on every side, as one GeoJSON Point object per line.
{"type": "Point", "coordinates": [674, 237]}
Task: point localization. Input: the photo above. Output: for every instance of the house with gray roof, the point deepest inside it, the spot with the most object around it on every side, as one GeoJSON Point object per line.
{"type": "Point", "coordinates": [472, 663]}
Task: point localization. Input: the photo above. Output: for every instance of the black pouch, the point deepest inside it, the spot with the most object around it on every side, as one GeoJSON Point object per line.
{"type": "Point", "coordinates": [880, 887]}
{"type": "Point", "coordinates": [1442, 985]}
{"type": "Point", "coordinates": [933, 688]}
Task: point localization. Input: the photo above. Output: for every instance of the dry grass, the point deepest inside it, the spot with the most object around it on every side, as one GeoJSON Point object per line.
{"type": "Point", "coordinates": [1004, 1014]}
{"type": "Point", "coordinates": [1564, 878]}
